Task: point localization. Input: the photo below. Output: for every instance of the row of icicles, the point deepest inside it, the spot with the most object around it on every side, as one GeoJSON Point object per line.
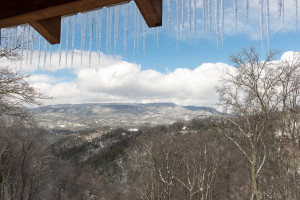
{"type": "Point", "coordinates": [27, 40]}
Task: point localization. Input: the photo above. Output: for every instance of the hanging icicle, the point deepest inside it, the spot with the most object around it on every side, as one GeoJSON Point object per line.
{"type": "Point", "coordinates": [50, 59]}
{"type": "Point", "coordinates": [209, 17]}
{"type": "Point", "coordinates": [222, 23]}
{"type": "Point", "coordinates": [22, 45]}
{"type": "Point", "coordinates": [190, 20]}
{"type": "Point", "coordinates": [116, 29]}
{"type": "Point", "coordinates": [99, 34]}
{"type": "Point", "coordinates": [279, 7]}
{"type": "Point", "coordinates": [204, 17]}
{"type": "Point", "coordinates": [138, 31]}
{"type": "Point", "coordinates": [40, 46]}
{"type": "Point", "coordinates": [107, 29]}
{"type": "Point", "coordinates": [217, 22]}
{"type": "Point", "coordinates": [194, 19]}
{"type": "Point", "coordinates": [267, 24]}
{"type": "Point", "coordinates": [169, 4]}
{"type": "Point", "coordinates": [45, 52]}
{"type": "Point", "coordinates": [32, 45]}
{"type": "Point", "coordinates": [73, 38]}
{"type": "Point", "coordinates": [261, 22]}
{"type": "Point", "coordinates": [67, 41]}
{"type": "Point", "coordinates": [28, 42]}
{"type": "Point", "coordinates": [83, 30]}
{"type": "Point", "coordinates": [296, 14]}
{"type": "Point", "coordinates": [126, 25]}
{"type": "Point", "coordinates": [282, 12]}
{"type": "Point", "coordinates": [178, 3]}
{"type": "Point", "coordinates": [144, 38]}
{"type": "Point", "coordinates": [91, 36]}
{"type": "Point", "coordinates": [182, 16]}
{"type": "Point", "coordinates": [60, 44]}
{"type": "Point", "coordinates": [110, 29]}
{"type": "Point", "coordinates": [135, 31]}
{"type": "Point", "coordinates": [235, 11]}
{"type": "Point", "coordinates": [246, 11]}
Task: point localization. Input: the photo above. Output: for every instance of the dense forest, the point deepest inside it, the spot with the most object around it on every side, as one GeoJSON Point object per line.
{"type": "Point", "coordinates": [251, 151]}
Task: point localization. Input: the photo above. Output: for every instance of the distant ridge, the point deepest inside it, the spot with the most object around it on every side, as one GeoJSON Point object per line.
{"type": "Point", "coordinates": [81, 116]}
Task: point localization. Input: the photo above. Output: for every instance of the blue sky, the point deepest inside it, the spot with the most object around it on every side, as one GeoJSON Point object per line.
{"type": "Point", "coordinates": [187, 76]}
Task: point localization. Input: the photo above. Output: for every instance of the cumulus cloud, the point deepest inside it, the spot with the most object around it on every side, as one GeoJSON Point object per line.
{"type": "Point", "coordinates": [124, 82]}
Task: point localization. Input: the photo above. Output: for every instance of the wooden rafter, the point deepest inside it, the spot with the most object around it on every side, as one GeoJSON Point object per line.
{"type": "Point", "coordinates": [43, 14]}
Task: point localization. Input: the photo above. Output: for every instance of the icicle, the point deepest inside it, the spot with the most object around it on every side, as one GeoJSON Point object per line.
{"type": "Point", "coordinates": [209, 17]}
{"type": "Point", "coordinates": [267, 24]}
{"type": "Point", "coordinates": [135, 32]}
{"type": "Point", "coordinates": [222, 23]}
{"type": "Point", "coordinates": [204, 17]}
{"type": "Point", "coordinates": [60, 44]}
{"type": "Point", "coordinates": [116, 32]}
{"type": "Point", "coordinates": [11, 42]}
{"type": "Point", "coordinates": [83, 35]}
{"type": "Point", "coordinates": [126, 24]}
{"type": "Point", "coordinates": [296, 14]}
{"type": "Point", "coordinates": [100, 34]}
{"type": "Point", "coordinates": [67, 40]}
{"type": "Point", "coordinates": [178, 25]}
{"type": "Point", "coordinates": [282, 11]}
{"type": "Point", "coordinates": [144, 38]}
{"type": "Point", "coordinates": [235, 11]}
{"type": "Point", "coordinates": [32, 45]}
{"type": "Point", "coordinates": [110, 29]}
{"type": "Point", "coordinates": [190, 20]}
{"type": "Point", "coordinates": [195, 20]}
{"type": "Point", "coordinates": [138, 31]}
{"type": "Point", "coordinates": [217, 22]}
{"type": "Point", "coordinates": [28, 39]}
{"type": "Point", "coordinates": [169, 15]}
{"type": "Point", "coordinates": [22, 45]}
{"type": "Point", "coordinates": [279, 7]}
{"type": "Point", "coordinates": [182, 16]}
{"type": "Point", "coordinates": [73, 38]}
{"type": "Point", "coordinates": [107, 29]}
{"type": "Point", "coordinates": [91, 36]}
{"type": "Point", "coordinates": [261, 22]}
{"type": "Point", "coordinates": [40, 46]}
{"type": "Point", "coordinates": [50, 55]}
{"type": "Point", "coordinates": [45, 52]}
{"type": "Point", "coordinates": [246, 11]}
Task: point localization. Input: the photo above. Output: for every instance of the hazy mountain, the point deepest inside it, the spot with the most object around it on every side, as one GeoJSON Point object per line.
{"type": "Point", "coordinates": [81, 116]}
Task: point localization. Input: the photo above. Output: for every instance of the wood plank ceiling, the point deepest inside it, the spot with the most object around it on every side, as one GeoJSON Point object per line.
{"type": "Point", "coordinates": [45, 15]}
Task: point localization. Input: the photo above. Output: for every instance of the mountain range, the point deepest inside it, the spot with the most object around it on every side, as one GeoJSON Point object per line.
{"type": "Point", "coordinates": [131, 115]}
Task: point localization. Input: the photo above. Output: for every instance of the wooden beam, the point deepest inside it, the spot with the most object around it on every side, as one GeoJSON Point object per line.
{"type": "Point", "coordinates": [17, 12]}
{"type": "Point", "coordinates": [151, 11]}
{"type": "Point", "coordinates": [49, 29]}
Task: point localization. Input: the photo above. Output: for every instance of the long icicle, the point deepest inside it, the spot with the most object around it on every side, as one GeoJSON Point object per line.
{"type": "Point", "coordinates": [22, 45]}
{"type": "Point", "coordinates": [83, 35]}
{"type": "Point", "coordinates": [144, 38]}
{"type": "Point", "coordinates": [110, 29]}
{"type": "Point", "coordinates": [107, 29]}
{"type": "Point", "coordinates": [28, 39]}
{"type": "Point", "coordinates": [39, 57]}
{"type": "Point", "coordinates": [91, 36]}
{"type": "Point", "coordinates": [169, 2]}
{"type": "Point", "coordinates": [178, 25]}
{"type": "Point", "coordinates": [45, 52]}
{"type": "Point", "coordinates": [283, 4]}
{"type": "Point", "coordinates": [100, 34]}
{"type": "Point", "coordinates": [296, 14]}
{"type": "Point", "coordinates": [190, 20]}
{"type": "Point", "coordinates": [279, 7]}
{"type": "Point", "coordinates": [261, 22]}
{"type": "Point", "coordinates": [135, 31]}
{"type": "Point", "coordinates": [217, 22]}
{"type": "Point", "coordinates": [204, 17]}
{"type": "Point", "coordinates": [222, 23]}
{"type": "Point", "coordinates": [50, 59]}
{"type": "Point", "coordinates": [126, 24]}
{"type": "Point", "coordinates": [235, 11]}
{"type": "Point", "coordinates": [182, 16]}
{"type": "Point", "coordinates": [67, 41]}
{"type": "Point", "coordinates": [73, 38]}
{"type": "Point", "coordinates": [60, 44]}
{"type": "Point", "coordinates": [32, 45]}
{"type": "Point", "coordinates": [267, 24]}
{"type": "Point", "coordinates": [138, 31]}
{"type": "Point", "coordinates": [116, 29]}
{"type": "Point", "coordinates": [195, 20]}
{"type": "Point", "coordinates": [246, 11]}
{"type": "Point", "coordinates": [209, 17]}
